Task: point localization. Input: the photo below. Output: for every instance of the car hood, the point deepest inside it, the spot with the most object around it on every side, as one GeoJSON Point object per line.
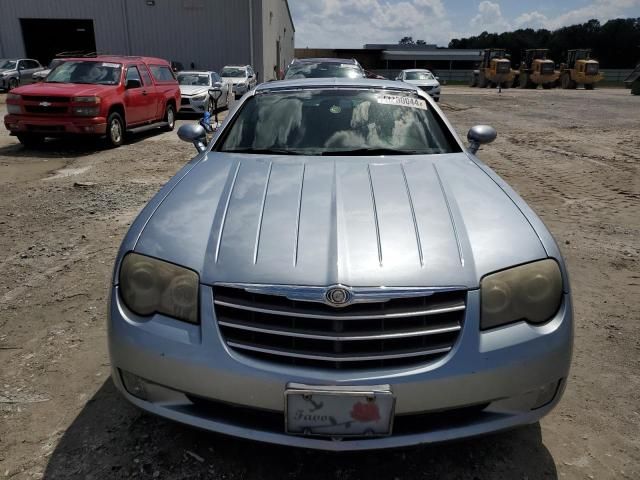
{"type": "Point", "coordinates": [64, 89]}
{"type": "Point", "coordinates": [423, 83]}
{"type": "Point", "coordinates": [436, 220]}
{"type": "Point", "coordinates": [193, 89]}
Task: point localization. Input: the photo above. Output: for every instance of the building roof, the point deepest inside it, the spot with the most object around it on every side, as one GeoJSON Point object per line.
{"type": "Point", "coordinates": [293, 25]}
{"type": "Point", "coordinates": [438, 54]}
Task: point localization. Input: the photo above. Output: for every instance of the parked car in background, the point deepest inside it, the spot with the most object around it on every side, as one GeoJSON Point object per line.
{"type": "Point", "coordinates": [242, 78]}
{"type": "Point", "coordinates": [18, 71]}
{"type": "Point", "coordinates": [324, 68]}
{"type": "Point", "coordinates": [40, 75]}
{"type": "Point", "coordinates": [338, 270]}
{"type": "Point", "coordinates": [423, 79]}
{"type": "Point", "coordinates": [370, 74]}
{"type": "Point", "coordinates": [104, 95]}
{"type": "Point", "coordinates": [195, 86]}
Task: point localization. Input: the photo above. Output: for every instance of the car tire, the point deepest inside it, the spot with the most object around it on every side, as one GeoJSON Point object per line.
{"type": "Point", "coordinates": [170, 118]}
{"type": "Point", "coordinates": [31, 139]}
{"type": "Point", "coordinates": [115, 130]}
{"type": "Point", "coordinates": [13, 83]}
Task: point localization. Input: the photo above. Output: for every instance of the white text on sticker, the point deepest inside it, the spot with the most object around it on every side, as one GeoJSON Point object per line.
{"type": "Point", "coordinates": [403, 101]}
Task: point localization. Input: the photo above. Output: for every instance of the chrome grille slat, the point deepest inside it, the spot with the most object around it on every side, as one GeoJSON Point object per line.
{"type": "Point", "coordinates": [391, 332]}
{"type": "Point", "coordinates": [342, 338]}
{"type": "Point", "coordinates": [340, 358]}
{"type": "Point", "coordinates": [339, 316]}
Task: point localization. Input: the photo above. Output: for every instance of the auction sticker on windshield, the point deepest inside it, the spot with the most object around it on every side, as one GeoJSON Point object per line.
{"type": "Point", "coordinates": [339, 411]}
{"type": "Point", "coordinates": [403, 101]}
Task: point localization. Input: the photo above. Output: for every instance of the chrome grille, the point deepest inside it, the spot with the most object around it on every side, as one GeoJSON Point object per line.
{"type": "Point", "coordinates": [398, 332]}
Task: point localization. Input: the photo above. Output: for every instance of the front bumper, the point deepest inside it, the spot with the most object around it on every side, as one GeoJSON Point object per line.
{"type": "Point", "coordinates": [498, 374]}
{"type": "Point", "coordinates": [239, 90]}
{"type": "Point", "coordinates": [189, 104]}
{"type": "Point", "coordinates": [53, 126]}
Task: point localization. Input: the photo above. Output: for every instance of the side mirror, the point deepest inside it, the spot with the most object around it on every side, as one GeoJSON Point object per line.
{"type": "Point", "coordinates": [193, 133]}
{"type": "Point", "coordinates": [438, 79]}
{"type": "Point", "coordinates": [480, 135]}
{"type": "Point", "coordinates": [133, 84]}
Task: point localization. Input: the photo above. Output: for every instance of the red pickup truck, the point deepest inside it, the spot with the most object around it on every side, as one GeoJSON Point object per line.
{"type": "Point", "coordinates": [103, 95]}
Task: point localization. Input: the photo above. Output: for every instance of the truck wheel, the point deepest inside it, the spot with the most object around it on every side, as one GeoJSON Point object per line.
{"type": "Point", "coordinates": [170, 117]}
{"type": "Point", "coordinates": [482, 81]}
{"type": "Point", "coordinates": [474, 80]}
{"type": "Point", "coordinates": [115, 130]}
{"type": "Point", "coordinates": [589, 86]}
{"type": "Point", "coordinates": [13, 83]}
{"type": "Point", "coordinates": [524, 80]}
{"type": "Point", "coordinates": [547, 86]}
{"type": "Point", "coordinates": [31, 139]}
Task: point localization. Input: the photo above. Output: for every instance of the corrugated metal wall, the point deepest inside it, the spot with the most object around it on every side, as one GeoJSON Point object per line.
{"type": "Point", "coordinates": [209, 33]}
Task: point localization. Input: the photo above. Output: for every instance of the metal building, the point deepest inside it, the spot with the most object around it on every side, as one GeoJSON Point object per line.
{"type": "Point", "coordinates": [207, 34]}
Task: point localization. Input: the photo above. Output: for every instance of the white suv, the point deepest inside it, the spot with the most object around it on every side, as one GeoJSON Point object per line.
{"type": "Point", "coordinates": [242, 78]}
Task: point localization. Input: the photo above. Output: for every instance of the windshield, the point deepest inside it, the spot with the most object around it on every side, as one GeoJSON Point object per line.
{"type": "Point", "coordinates": [7, 64]}
{"type": "Point", "coordinates": [55, 63]}
{"type": "Point", "coordinates": [419, 76]}
{"type": "Point", "coordinates": [323, 70]}
{"type": "Point", "coordinates": [233, 72]}
{"type": "Point", "coordinates": [334, 122]}
{"type": "Point", "coordinates": [98, 73]}
{"type": "Point", "coordinates": [200, 79]}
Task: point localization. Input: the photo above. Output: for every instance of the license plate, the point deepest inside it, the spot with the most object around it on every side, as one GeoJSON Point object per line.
{"type": "Point", "coordinates": [339, 411]}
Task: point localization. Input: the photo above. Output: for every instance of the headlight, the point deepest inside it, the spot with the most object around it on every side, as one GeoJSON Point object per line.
{"type": "Point", "coordinates": [530, 293]}
{"type": "Point", "coordinates": [86, 111]}
{"type": "Point", "coordinates": [149, 286]}
{"type": "Point", "coordinates": [199, 98]}
{"type": "Point", "coordinates": [86, 99]}
{"type": "Point", "coordinates": [14, 109]}
{"type": "Point", "coordinates": [13, 97]}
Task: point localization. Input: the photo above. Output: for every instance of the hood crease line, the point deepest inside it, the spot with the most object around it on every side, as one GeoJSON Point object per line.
{"type": "Point", "coordinates": [453, 221]}
{"type": "Point", "coordinates": [225, 211]}
{"type": "Point", "coordinates": [261, 215]}
{"type": "Point", "coordinates": [413, 215]}
{"type": "Point", "coordinates": [375, 214]}
{"type": "Point", "coordinates": [295, 246]}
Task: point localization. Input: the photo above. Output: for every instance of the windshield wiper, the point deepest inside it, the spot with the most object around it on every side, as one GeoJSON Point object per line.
{"type": "Point", "coordinates": [264, 151]}
{"type": "Point", "coordinates": [371, 151]}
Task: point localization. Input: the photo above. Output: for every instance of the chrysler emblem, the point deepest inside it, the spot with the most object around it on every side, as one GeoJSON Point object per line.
{"type": "Point", "coordinates": [338, 296]}
{"type": "Point", "coordinates": [45, 104]}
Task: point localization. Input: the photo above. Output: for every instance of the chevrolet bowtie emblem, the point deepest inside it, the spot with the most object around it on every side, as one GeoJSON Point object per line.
{"type": "Point", "coordinates": [45, 104]}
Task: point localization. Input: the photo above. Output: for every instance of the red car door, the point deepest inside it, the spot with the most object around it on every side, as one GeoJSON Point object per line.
{"type": "Point", "coordinates": [140, 105]}
{"type": "Point", "coordinates": [152, 92]}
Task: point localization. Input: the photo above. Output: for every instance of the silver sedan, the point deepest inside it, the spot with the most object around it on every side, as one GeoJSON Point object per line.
{"type": "Point", "coordinates": [337, 270]}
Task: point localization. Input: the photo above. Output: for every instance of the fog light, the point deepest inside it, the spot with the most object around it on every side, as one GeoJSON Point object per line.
{"type": "Point", "coordinates": [134, 385]}
{"type": "Point", "coordinates": [546, 394]}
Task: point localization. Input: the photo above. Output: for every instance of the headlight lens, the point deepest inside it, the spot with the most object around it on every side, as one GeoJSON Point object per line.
{"type": "Point", "coordinates": [531, 292]}
{"type": "Point", "coordinates": [14, 109]}
{"type": "Point", "coordinates": [149, 286]}
{"type": "Point", "coordinates": [87, 99]}
{"type": "Point", "coordinates": [13, 97]}
{"type": "Point", "coordinates": [199, 98]}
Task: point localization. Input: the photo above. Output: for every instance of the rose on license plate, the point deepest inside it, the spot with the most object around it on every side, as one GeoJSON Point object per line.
{"type": "Point", "coordinates": [339, 411]}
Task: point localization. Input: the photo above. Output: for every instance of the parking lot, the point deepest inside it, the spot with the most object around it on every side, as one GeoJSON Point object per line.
{"type": "Point", "coordinates": [573, 155]}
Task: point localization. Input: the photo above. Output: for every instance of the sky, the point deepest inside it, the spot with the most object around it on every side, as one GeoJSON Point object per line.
{"type": "Point", "coordinates": [352, 23]}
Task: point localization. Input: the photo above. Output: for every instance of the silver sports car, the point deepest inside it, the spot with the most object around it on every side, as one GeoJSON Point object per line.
{"type": "Point", "coordinates": [337, 270]}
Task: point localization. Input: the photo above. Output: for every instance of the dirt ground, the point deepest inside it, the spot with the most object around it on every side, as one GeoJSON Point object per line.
{"type": "Point", "coordinates": [573, 155]}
